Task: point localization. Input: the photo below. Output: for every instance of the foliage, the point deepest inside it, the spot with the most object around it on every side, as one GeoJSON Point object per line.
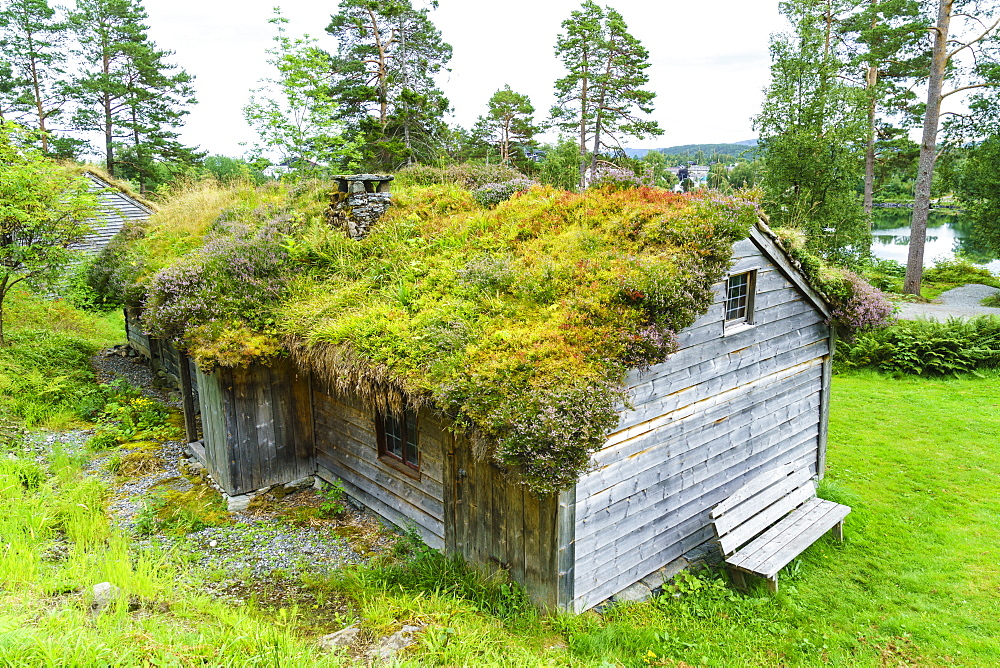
{"type": "Point", "coordinates": [979, 189]}
{"type": "Point", "coordinates": [43, 212]}
{"type": "Point", "coordinates": [601, 95]}
{"type": "Point", "coordinates": [517, 321]}
{"type": "Point", "coordinates": [295, 114]}
{"type": "Point", "coordinates": [333, 504]}
{"type": "Point", "coordinates": [617, 178]}
{"type": "Point", "coordinates": [491, 194]}
{"type": "Point", "coordinates": [561, 166]}
{"type": "Point", "coordinates": [857, 306]}
{"type": "Point", "coordinates": [236, 276]}
{"type": "Point", "coordinates": [508, 122]}
{"type": "Point", "coordinates": [993, 301]}
{"type": "Point", "coordinates": [34, 39]}
{"type": "Point", "coordinates": [465, 175]}
{"type": "Point", "coordinates": [928, 348]}
{"type": "Point", "coordinates": [958, 271]}
{"type": "Point", "coordinates": [129, 418]}
{"type": "Point", "coordinates": [812, 136]}
{"type": "Point", "coordinates": [383, 85]}
{"type": "Point", "coordinates": [179, 513]}
{"type": "Point", "coordinates": [127, 90]}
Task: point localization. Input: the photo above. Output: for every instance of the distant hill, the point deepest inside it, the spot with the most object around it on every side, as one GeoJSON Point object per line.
{"type": "Point", "coordinates": [737, 148]}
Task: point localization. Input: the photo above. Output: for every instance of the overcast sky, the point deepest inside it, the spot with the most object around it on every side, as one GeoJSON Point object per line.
{"type": "Point", "coordinates": [709, 59]}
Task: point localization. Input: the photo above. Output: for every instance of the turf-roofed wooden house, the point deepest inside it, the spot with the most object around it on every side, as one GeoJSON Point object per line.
{"type": "Point", "coordinates": [562, 386]}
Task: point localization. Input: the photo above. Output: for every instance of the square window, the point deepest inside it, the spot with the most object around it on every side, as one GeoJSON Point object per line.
{"type": "Point", "coordinates": [396, 434]}
{"type": "Point", "coordinates": [740, 290]}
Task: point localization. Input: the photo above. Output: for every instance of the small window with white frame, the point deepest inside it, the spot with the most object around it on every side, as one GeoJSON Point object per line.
{"type": "Point", "coordinates": [740, 289]}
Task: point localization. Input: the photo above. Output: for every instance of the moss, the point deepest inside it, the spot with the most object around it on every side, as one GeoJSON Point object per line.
{"type": "Point", "coordinates": [517, 322]}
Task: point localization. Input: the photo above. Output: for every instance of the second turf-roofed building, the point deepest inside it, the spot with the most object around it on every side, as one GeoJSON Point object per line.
{"type": "Point", "coordinates": [562, 386]}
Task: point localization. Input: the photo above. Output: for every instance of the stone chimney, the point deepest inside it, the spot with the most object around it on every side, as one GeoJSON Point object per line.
{"type": "Point", "coordinates": [358, 203]}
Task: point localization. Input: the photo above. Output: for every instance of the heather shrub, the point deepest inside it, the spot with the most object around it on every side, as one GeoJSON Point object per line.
{"type": "Point", "coordinates": [926, 347]}
{"type": "Point", "coordinates": [465, 175]}
{"type": "Point", "coordinates": [617, 178]}
{"type": "Point", "coordinates": [491, 194]}
{"type": "Point", "coordinates": [238, 275]}
{"type": "Point", "coordinates": [858, 306]}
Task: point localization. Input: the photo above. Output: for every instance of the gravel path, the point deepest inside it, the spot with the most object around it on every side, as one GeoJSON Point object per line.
{"type": "Point", "coordinates": [963, 302]}
{"type": "Point", "coordinates": [262, 553]}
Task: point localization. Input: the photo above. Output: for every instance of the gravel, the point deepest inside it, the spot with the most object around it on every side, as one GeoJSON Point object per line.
{"type": "Point", "coordinates": [262, 554]}
{"type": "Point", "coordinates": [961, 302]}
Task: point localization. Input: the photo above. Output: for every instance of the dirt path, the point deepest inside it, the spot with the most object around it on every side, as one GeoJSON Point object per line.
{"type": "Point", "coordinates": [963, 302]}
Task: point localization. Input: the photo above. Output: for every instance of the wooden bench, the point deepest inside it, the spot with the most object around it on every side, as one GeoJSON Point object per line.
{"type": "Point", "coordinates": [771, 520]}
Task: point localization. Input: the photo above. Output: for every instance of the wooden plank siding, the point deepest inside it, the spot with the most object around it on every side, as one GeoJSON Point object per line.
{"type": "Point", "coordinates": [115, 209]}
{"type": "Point", "coordinates": [502, 524]}
{"type": "Point", "coordinates": [723, 408]}
{"type": "Point", "coordinates": [346, 449]}
{"type": "Point", "coordinates": [257, 430]}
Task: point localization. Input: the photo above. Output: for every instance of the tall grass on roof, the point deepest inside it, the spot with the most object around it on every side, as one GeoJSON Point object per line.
{"type": "Point", "coordinates": [517, 322]}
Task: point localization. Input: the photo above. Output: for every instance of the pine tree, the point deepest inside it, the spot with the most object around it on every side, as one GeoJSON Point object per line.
{"type": "Point", "coordinates": [509, 121]}
{"type": "Point", "coordinates": [33, 39]}
{"type": "Point", "coordinates": [601, 95]}
{"type": "Point", "coordinates": [388, 54]}
{"type": "Point", "coordinates": [127, 91]}
{"type": "Point", "coordinates": [887, 39]}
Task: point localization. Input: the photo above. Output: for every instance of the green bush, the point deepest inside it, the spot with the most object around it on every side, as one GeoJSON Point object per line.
{"type": "Point", "coordinates": [993, 301]}
{"type": "Point", "coordinates": [465, 175]}
{"type": "Point", "coordinates": [103, 440]}
{"type": "Point", "coordinates": [924, 347]}
{"type": "Point", "coordinates": [959, 272]}
{"type": "Point", "coordinates": [491, 194]}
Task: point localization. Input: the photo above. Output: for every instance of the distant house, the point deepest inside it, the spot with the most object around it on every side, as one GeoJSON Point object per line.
{"type": "Point", "coordinates": [116, 209]}
{"type": "Point", "coordinates": [747, 390]}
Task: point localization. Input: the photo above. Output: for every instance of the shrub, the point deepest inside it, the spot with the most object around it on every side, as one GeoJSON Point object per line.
{"type": "Point", "coordinates": [103, 440]}
{"type": "Point", "coordinates": [925, 347]}
{"type": "Point", "coordinates": [959, 271]}
{"type": "Point", "coordinates": [466, 175]}
{"type": "Point", "coordinates": [993, 301]}
{"type": "Point", "coordinates": [617, 178]}
{"type": "Point", "coordinates": [491, 194]}
{"type": "Point", "coordinates": [858, 306]}
{"type": "Point", "coordinates": [237, 275]}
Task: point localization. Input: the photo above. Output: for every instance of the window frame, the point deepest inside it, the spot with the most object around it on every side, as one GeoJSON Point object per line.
{"type": "Point", "coordinates": [409, 437]}
{"type": "Point", "coordinates": [747, 320]}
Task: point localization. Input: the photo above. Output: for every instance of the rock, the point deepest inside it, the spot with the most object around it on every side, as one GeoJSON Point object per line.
{"type": "Point", "coordinates": [656, 580]}
{"type": "Point", "coordinates": [104, 594]}
{"type": "Point", "coordinates": [237, 504]}
{"type": "Point", "coordinates": [296, 485]}
{"type": "Point", "coordinates": [635, 593]}
{"type": "Point", "coordinates": [390, 646]}
{"type": "Point", "coordinates": [342, 638]}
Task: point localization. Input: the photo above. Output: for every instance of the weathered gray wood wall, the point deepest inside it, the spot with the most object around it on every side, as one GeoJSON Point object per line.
{"type": "Point", "coordinates": [346, 449]}
{"type": "Point", "coordinates": [257, 424]}
{"type": "Point", "coordinates": [116, 209]}
{"type": "Point", "coordinates": [494, 521]}
{"type": "Point", "coordinates": [134, 334]}
{"type": "Point", "coordinates": [721, 409]}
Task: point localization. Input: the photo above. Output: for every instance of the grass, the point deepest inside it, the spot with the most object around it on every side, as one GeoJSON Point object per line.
{"type": "Point", "coordinates": [45, 374]}
{"type": "Point", "coordinates": [915, 583]}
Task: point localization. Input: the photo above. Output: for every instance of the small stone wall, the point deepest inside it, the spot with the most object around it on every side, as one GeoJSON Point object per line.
{"type": "Point", "coordinates": [359, 202]}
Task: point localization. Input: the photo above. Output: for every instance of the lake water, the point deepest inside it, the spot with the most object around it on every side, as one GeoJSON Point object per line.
{"type": "Point", "coordinates": [947, 234]}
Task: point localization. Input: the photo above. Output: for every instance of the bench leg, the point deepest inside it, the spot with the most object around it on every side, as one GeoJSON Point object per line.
{"type": "Point", "coordinates": [838, 531]}
{"type": "Point", "coordinates": [738, 578]}
{"type": "Point", "coordinates": [772, 584]}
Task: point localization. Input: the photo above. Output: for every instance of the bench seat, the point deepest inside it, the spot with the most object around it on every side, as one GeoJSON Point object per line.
{"type": "Point", "coordinates": [771, 520]}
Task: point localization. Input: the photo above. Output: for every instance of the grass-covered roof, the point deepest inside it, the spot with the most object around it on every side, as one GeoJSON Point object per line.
{"type": "Point", "coordinates": [518, 322]}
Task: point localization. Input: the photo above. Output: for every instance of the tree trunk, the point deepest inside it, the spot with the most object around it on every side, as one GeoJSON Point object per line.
{"type": "Point", "coordinates": [109, 132]}
{"type": "Point", "coordinates": [3, 295]}
{"type": "Point", "coordinates": [928, 152]}
{"type": "Point", "coordinates": [870, 144]}
{"type": "Point", "coordinates": [584, 91]}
